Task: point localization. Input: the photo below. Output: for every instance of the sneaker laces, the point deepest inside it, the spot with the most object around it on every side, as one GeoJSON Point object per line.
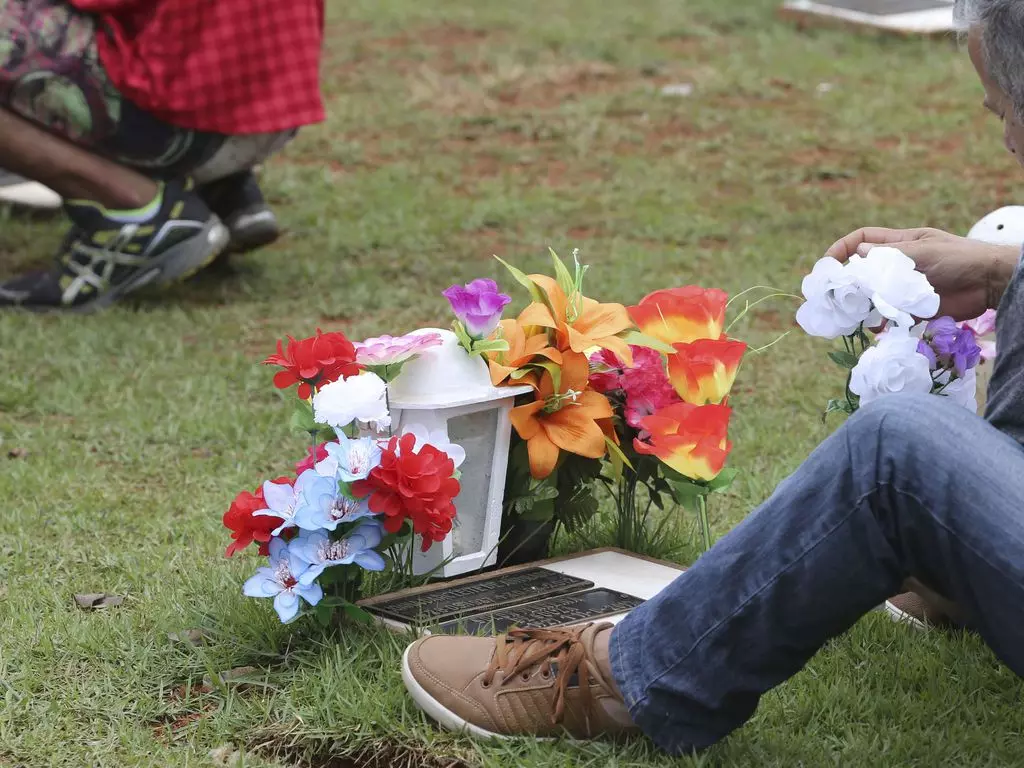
{"type": "Point", "coordinates": [558, 652]}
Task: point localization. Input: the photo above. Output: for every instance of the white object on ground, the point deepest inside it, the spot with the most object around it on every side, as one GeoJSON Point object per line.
{"type": "Point", "coordinates": [29, 194]}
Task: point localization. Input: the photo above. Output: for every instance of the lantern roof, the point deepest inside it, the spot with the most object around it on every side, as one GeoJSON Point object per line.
{"type": "Point", "coordinates": [445, 376]}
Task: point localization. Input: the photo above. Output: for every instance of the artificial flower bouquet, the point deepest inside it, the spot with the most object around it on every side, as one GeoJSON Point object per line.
{"type": "Point", "coordinates": [645, 387]}
{"type": "Point", "coordinates": [616, 396]}
{"type": "Point", "coordinates": [913, 352]}
{"type": "Point", "coordinates": [361, 496]}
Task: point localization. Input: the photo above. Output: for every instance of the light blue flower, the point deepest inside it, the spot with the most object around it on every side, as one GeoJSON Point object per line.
{"type": "Point", "coordinates": [331, 511]}
{"type": "Point", "coordinates": [284, 581]}
{"type": "Point", "coordinates": [315, 503]}
{"type": "Point", "coordinates": [319, 552]}
{"type": "Point", "coordinates": [355, 459]}
{"type": "Point", "coordinates": [284, 500]}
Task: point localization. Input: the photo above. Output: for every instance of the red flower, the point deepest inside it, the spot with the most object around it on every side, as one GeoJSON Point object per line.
{"type": "Point", "coordinates": [313, 362]}
{"type": "Point", "coordinates": [415, 486]}
{"type": "Point", "coordinates": [310, 461]}
{"type": "Point", "coordinates": [691, 439]}
{"type": "Point", "coordinates": [246, 527]}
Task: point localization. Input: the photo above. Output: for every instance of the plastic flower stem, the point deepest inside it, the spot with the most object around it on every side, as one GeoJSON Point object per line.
{"type": "Point", "coordinates": [770, 343]}
{"type": "Point", "coordinates": [751, 304]}
{"type": "Point", "coordinates": [705, 526]}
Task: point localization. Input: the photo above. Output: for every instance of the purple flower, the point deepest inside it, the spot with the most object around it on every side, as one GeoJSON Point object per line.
{"type": "Point", "coordinates": [949, 346]}
{"type": "Point", "coordinates": [478, 306]}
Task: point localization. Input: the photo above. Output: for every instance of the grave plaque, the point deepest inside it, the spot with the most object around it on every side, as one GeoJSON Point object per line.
{"type": "Point", "coordinates": [475, 597]}
{"type": "Point", "coordinates": [602, 584]}
{"type": "Point", "coordinates": [576, 608]}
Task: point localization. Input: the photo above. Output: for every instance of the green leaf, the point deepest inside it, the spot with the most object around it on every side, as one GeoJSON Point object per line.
{"type": "Point", "coordinates": [463, 336]}
{"type": "Point", "coordinates": [535, 292]}
{"type": "Point", "coordinates": [837, 406]}
{"type": "Point", "coordinates": [556, 373]}
{"type": "Point", "coordinates": [723, 481]}
{"type": "Point", "coordinates": [843, 359]}
{"type": "Point", "coordinates": [358, 614]}
{"type": "Point", "coordinates": [302, 417]}
{"type": "Point", "coordinates": [562, 276]}
{"type": "Point", "coordinates": [490, 345]}
{"type": "Point", "coordinates": [686, 493]}
{"type": "Point", "coordinates": [616, 453]}
{"type": "Point", "coordinates": [642, 340]}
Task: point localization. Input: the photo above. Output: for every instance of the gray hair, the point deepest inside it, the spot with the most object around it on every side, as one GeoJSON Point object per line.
{"type": "Point", "coordinates": [1002, 42]}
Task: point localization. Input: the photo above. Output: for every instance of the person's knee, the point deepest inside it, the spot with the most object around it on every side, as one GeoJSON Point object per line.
{"type": "Point", "coordinates": [906, 418]}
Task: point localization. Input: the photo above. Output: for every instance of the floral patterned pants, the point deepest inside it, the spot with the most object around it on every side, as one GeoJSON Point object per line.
{"type": "Point", "coordinates": [50, 74]}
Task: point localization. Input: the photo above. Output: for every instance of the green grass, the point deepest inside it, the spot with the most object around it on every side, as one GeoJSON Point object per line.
{"type": "Point", "coordinates": [457, 130]}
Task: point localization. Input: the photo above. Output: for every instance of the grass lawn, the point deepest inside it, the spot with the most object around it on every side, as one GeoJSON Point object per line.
{"type": "Point", "coordinates": [458, 130]}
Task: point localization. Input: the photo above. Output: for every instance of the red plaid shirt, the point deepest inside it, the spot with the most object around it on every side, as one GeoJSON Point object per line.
{"type": "Point", "coordinates": [224, 66]}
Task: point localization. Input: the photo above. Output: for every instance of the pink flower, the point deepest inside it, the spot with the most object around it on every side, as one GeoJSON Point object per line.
{"type": "Point", "coordinates": [390, 350]}
{"type": "Point", "coordinates": [983, 326]}
{"type": "Point", "coordinates": [605, 371]}
{"type": "Point", "coordinates": [645, 384]}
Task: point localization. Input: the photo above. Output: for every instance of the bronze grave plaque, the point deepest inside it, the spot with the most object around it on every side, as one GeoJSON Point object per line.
{"type": "Point", "coordinates": [477, 597]}
{"type": "Point", "coordinates": [574, 608]}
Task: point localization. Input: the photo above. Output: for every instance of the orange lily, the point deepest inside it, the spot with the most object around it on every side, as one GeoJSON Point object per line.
{"type": "Point", "coordinates": [594, 324]}
{"type": "Point", "coordinates": [703, 371]}
{"type": "Point", "coordinates": [691, 439]}
{"type": "Point", "coordinates": [522, 349]}
{"type": "Point", "coordinates": [568, 418]}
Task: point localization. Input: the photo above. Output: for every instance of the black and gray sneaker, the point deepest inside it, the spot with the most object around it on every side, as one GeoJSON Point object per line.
{"type": "Point", "coordinates": [104, 258]}
{"type": "Point", "coordinates": [239, 203]}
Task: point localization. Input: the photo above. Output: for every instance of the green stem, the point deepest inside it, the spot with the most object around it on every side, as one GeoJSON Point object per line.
{"type": "Point", "coordinates": [705, 525]}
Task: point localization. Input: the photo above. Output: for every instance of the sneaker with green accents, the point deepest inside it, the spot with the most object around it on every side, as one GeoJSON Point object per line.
{"type": "Point", "coordinates": [109, 254]}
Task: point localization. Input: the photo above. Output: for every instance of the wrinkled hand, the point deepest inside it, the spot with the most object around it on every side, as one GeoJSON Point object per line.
{"type": "Point", "coordinates": [969, 276]}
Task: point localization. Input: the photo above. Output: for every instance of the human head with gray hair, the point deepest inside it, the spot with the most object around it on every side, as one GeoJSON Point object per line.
{"type": "Point", "coordinates": [995, 40]}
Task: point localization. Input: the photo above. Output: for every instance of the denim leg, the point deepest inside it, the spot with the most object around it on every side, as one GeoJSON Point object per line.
{"type": "Point", "coordinates": [909, 486]}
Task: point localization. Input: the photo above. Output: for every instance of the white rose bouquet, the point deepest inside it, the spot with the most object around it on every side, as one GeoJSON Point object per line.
{"type": "Point", "coordinates": [885, 289]}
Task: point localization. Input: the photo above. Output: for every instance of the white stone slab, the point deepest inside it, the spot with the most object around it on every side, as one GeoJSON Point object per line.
{"type": "Point", "coordinates": [926, 22]}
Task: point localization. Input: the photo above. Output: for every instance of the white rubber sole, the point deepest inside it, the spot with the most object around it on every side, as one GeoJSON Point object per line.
{"type": "Point", "coordinates": [903, 617]}
{"type": "Point", "coordinates": [438, 712]}
{"type": "Point", "coordinates": [31, 195]}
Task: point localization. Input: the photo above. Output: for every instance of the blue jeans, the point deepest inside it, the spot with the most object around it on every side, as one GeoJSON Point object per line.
{"type": "Point", "coordinates": [909, 486]}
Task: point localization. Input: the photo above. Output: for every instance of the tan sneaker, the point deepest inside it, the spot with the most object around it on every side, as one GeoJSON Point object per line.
{"type": "Point", "coordinates": [922, 607]}
{"type": "Point", "coordinates": [531, 682]}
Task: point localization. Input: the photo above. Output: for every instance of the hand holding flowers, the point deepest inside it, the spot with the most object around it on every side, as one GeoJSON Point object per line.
{"type": "Point", "coordinates": [843, 300]}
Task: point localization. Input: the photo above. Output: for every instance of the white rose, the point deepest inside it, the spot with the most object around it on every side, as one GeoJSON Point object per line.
{"type": "Point", "coordinates": [962, 391]}
{"type": "Point", "coordinates": [898, 291]}
{"type": "Point", "coordinates": [892, 366]}
{"type": "Point", "coordinates": [358, 398]}
{"type": "Point", "coordinates": [836, 302]}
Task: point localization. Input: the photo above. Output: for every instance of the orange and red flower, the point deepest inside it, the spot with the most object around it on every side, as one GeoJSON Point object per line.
{"type": "Point", "coordinates": [414, 485]}
{"type": "Point", "coordinates": [313, 362]}
{"type": "Point", "coordinates": [569, 417]}
{"type": "Point", "coordinates": [691, 439]}
{"type": "Point", "coordinates": [681, 315]}
{"type": "Point", "coordinates": [703, 371]}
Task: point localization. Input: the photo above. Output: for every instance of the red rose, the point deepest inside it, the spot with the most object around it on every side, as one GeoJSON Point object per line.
{"type": "Point", "coordinates": [313, 362]}
{"type": "Point", "coordinates": [312, 460]}
{"type": "Point", "coordinates": [415, 486]}
{"type": "Point", "coordinates": [246, 527]}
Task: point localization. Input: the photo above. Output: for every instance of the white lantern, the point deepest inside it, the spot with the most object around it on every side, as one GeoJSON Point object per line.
{"type": "Point", "coordinates": [448, 390]}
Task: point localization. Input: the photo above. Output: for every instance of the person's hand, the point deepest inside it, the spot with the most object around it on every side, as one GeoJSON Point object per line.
{"type": "Point", "coordinates": [970, 276]}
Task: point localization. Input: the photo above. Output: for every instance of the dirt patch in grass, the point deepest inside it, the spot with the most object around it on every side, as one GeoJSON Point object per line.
{"type": "Point", "coordinates": [324, 754]}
